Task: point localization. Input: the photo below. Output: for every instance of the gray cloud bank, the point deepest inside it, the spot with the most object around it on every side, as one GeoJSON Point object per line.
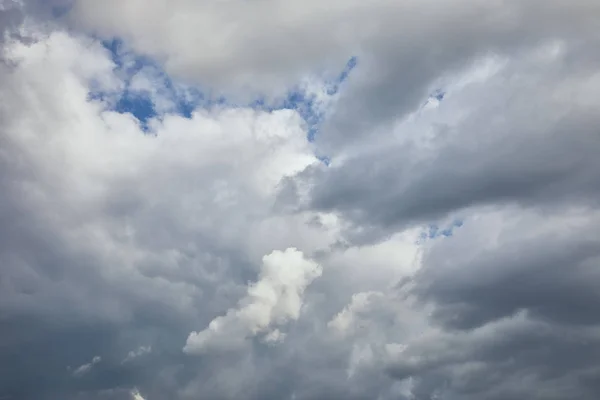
{"type": "Point", "coordinates": [449, 251]}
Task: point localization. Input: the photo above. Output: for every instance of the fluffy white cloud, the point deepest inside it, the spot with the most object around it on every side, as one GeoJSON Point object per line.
{"type": "Point", "coordinates": [273, 300]}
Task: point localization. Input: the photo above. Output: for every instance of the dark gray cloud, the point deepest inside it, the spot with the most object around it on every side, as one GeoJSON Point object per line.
{"type": "Point", "coordinates": [414, 52]}
{"type": "Point", "coordinates": [530, 140]}
{"type": "Point", "coordinates": [514, 297]}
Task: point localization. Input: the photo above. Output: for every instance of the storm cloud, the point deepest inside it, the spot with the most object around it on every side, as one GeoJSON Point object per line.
{"type": "Point", "coordinates": [208, 200]}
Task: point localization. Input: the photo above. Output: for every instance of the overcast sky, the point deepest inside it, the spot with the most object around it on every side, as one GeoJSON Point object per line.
{"type": "Point", "coordinates": [299, 200]}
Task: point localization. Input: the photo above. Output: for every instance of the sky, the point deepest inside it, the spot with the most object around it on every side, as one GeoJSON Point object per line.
{"type": "Point", "coordinates": [299, 200]}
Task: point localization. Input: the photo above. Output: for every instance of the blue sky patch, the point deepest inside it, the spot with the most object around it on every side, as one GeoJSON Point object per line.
{"type": "Point", "coordinates": [140, 106]}
{"type": "Point", "coordinates": [434, 231]}
{"type": "Point", "coordinates": [306, 103]}
{"type": "Point", "coordinates": [438, 95]}
{"type": "Point", "coordinates": [149, 92]}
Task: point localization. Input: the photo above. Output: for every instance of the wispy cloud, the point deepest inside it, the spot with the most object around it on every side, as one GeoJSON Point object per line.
{"type": "Point", "coordinates": [133, 354]}
{"type": "Point", "coordinates": [85, 368]}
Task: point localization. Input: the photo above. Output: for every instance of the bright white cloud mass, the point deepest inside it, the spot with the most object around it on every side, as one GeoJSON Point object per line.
{"type": "Point", "coordinates": [308, 200]}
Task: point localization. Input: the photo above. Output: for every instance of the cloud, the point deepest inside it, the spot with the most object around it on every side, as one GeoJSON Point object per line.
{"type": "Point", "coordinates": [273, 300]}
{"type": "Point", "coordinates": [345, 320]}
{"type": "Point", "coordinates": [497, 310]}
{"type": "Point", "coordinates": [135, 395]}
{"type": "Point", "coordinates": [217, 42]}
{"type": "Point", "coordinates": [192, 191]}
{"type": "Point", "coordinates": [142, 350]}
{"type": "Point", "coordinates": [85, 368]}
{"type": "Point", "coordinates": [116, 233]}
{"type": "Point", "coordinates": [540, 151]}
{"type": "Point", "coordinates": [512, 261]}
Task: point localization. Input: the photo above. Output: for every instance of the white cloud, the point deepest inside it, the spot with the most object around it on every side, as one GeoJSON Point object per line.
{"type": "Point", "coordinates": [214, 174]}
{"type": "Point", "coordinates": [85, 368]}
{"type": "Point", "coordinates": [133, 354]}
{"type": "Point", "coordinates": [345, 320]}
{"type": "Point", "coordinates": [273, 300]}
{"type": "Point", "coordinates": [135, 395]}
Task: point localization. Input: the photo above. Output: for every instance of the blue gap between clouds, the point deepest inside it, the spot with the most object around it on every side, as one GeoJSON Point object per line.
{"type": "Point", "coordinates": [305, 103]}
{"type": "Point", "coordinates": [140, 103]}
{"type": "Point", "coordinates": [186, 99]}
{"type": "Point", "coordinates": [439, 94]}
{"type": "Point", "coordinates": [435, 231]}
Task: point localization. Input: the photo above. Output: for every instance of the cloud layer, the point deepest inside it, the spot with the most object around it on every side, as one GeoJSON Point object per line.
{"type": "Point", "coordinates": [194, 203]}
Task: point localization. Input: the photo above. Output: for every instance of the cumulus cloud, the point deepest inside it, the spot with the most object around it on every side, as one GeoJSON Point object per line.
{"type": "Point", "coordinates": [202, 194]}
{"type": "Point", "coordinates": [273, 300]}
